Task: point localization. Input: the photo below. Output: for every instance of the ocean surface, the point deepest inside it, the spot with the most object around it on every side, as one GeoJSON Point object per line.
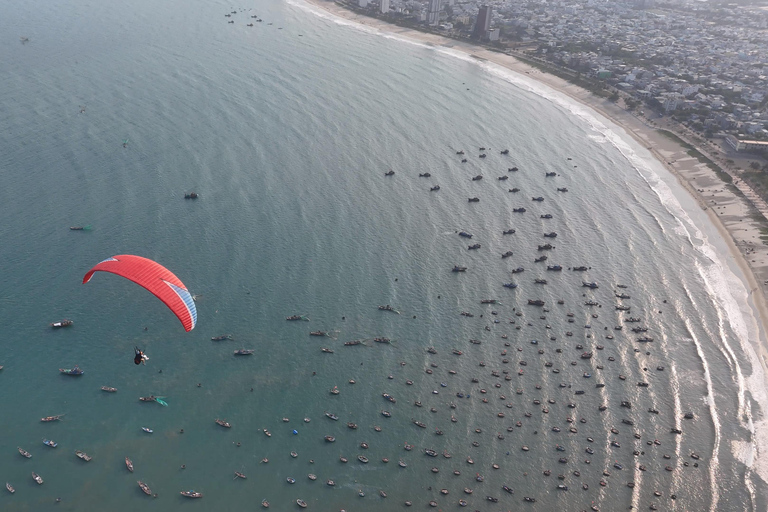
{"type": "Point", "coordinates": [111, 112]}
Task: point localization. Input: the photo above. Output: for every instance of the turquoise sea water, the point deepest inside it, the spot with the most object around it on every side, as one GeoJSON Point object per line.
{"type": "Point", "coordinates": [286, 129]}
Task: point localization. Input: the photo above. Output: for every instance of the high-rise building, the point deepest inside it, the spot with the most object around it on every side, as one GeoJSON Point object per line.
{"type": "Point", "coordinates": [384, 6]}
{"type": "Point", "coordinates": [483, 22]}
{"type": "Point", "coordinates": [433, 12]}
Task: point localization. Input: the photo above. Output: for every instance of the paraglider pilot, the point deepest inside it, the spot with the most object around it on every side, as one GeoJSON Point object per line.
{"type": "Point", "coordinates": [139, 357]}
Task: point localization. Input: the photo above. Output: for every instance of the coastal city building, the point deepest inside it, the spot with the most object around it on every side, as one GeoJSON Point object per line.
{"type": "Point", "coordinates": [483, 22]}
{"type": "Point", "coordinates": [433, 14]}
{"type": "Point", "coordinates": [750, 146]}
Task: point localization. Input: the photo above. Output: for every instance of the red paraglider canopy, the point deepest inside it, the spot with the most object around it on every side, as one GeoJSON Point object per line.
{"type": "Point", "coordinates": [160, 281]}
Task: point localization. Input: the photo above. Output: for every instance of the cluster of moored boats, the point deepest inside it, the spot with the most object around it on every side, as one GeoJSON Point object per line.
{"type": "Point", "coordinates": [554, 409]}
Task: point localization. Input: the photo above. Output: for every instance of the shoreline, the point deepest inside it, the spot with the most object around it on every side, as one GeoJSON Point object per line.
{"type": "Point", "coordinates": [727, 205]}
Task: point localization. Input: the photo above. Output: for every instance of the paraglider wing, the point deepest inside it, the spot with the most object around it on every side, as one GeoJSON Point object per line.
{"type": "Point", "coordinates": [160, 281]}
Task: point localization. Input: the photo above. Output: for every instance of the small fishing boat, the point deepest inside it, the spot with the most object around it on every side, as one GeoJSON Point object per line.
{"type": "Point", "coordinates": [109, 389]}
{"type": "Point", "coordinates": [222, 337]}
{"type": "Point", "coordinates": [129, 464]}
{"type": "Point", "coordinates": [388, 308]}
{"type": "Point", "coordinates": [435, 188]}
{"type": "Point", "coordinates": [389, 173]}
{"type": "Point", "coordinates": [71, 371]}
{"type": "Point", "coordinates": [83, 456]}
{"type": "Point", "coordinates": [474, 200]}
{"type": "Point", "coordinates": [329, 439]}
{"type": "Point", "coordinates": [352, 343]}
{"type": "Point", "coordinates": [223, 423]}
{"type": "Point", "coordinates": [424, 175]}
{"type": "Point", "coordinates": [37, 478]}
{"type": "Point", "coordinates": [190, 195]}
{"type": "Point", "coordinates": [331, 416]}
{"type": "Point", "coordinates": [62, 323]}
{"type": "Point", "coordinates": [50, 442]}
{"type": "Point", "coordinates": [191, 494]}
{"type": "Point", "coordinates": [301, 503]}
{"type": "Point", "coordinates": [508, 232]}
{"type": "Point", "coordinates": [144, 487]}
{"type": "Point", "coordinates": [458, 268]}
{"type": "Point", "coordinates": [318, 333]}
{"type": "Point", "coordinates": [24, 453]}
{"type": "Point", "coordinates": [51, 418]}
{"type": "Point", "coordinates": [386, 341]}
{"type": "Point", "coordinates": [243, 352]}
{"type": "Point", "coordinates": [147, 430]}
{"type": "Point", "coordinates": [10, 488]}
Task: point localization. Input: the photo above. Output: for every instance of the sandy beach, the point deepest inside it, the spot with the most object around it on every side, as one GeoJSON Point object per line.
{"type": "Point", "coordinates": [736, 211]}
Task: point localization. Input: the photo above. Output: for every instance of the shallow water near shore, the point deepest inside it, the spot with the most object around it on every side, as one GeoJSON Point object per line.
{"type": "Point", "coordinates": [286, 129]}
